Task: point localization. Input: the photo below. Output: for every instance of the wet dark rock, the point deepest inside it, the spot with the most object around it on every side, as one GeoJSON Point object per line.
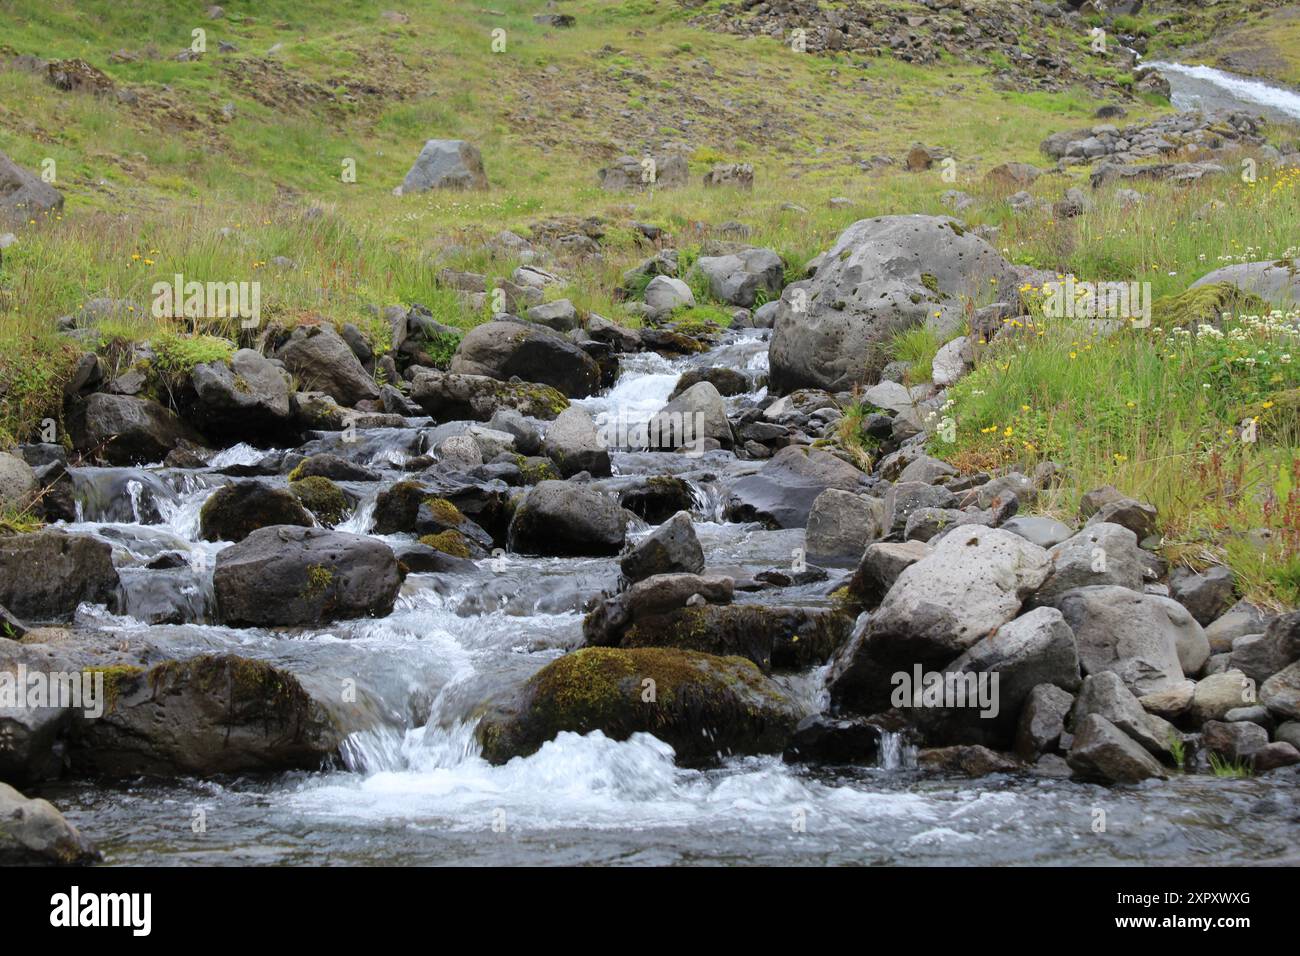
{"type": "Point", "coordinates": [322, 361]}
{"type": "Point", "coordinates": [773, 637]}
{"type": "Point", "coordinates": [45, 575]}
{"type": "Point", "coordinates": [1042, 720]}
{"type": "Point", "coordinates": [450, 397]}
{"type": "Point", "coordinates": [123, 430]}
{"type": "Point", "coordinates": [967, 760]}
{"type": "Point", "coordinates": [658, 498]}
{"type": "Point", "coordinates": [502, 350]}
{"type": "Point", "coordinates": [292, 576]}
{"type": "Point", "coordinates": [235, 511]}
{"type": "Point", "coordinates": [820, 738]}
{"type": "Point", "coordinates": [672, 547]}
{"type": "Point", "coordinates": [206, 715]}
{"type": "Point", "coordinates": [782, 493]}
{"type": "Point", "coordinates": [561, 518]}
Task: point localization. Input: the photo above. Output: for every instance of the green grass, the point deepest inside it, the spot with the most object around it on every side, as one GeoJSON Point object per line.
{"type": "Point", "coordinates": [1237, 769]}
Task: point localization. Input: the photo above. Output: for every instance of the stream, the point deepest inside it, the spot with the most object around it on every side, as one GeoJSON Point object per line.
{"type": "Point", "coordinates": [1208, 89]}
{"type": "Point", "coordinates": [412, 789]}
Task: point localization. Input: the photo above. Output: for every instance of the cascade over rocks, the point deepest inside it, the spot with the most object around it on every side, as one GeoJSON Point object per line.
{"type": "Point", "coordinates": [705, 707]}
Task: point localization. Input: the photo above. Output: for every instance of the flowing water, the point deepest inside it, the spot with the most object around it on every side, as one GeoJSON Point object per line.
{"type": "Point", "coordinates": [412, 789]}
{"type": "Point", "coordinates": [1208, 89]}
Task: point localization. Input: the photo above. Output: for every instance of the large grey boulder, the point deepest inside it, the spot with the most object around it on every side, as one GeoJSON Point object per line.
{"type": "Point", "coordinates": [1138, 636]}
{"type": "Point", "coordinates": [24, 196]}
{"type": "Point", "coordinates": [33, 832]}
{"type": "Point", "coordinates": [1100, 554]}
{"type": "Point", "coordinates": [666, 294]}
{"type": "Point", "coordinates": [573, 443]}
{"type": "Point", "coordinates": [208, 714]}
{"type": "Point", "coordinates": [1281, 693]}
{"type": "Point", "coordinates": [672, 547]}
{"type": "Point", "coordinates": [248, 394]}
{"type": "Point", "coordinates": [532, 352]}
{"type": "Point", "coordinates": [782, 493]}
{"type": "Point", "coordinates": [882, 275]}
{"type": "Point", "coordinates": [1103, 753]}
{"type": "Point", "coordinates": [446, 164]}
{"type": "Point", "coordinates": [1032, 650]}
{"type": "Point", "coordinates": [841, 525]}
{"type": "Point", "coordinates": [124, 430]}
{"type": "Point", "coordinates": [689, 420]}
{"type": "Point", "coordinates": [45, 575]}
{"type": "Point", "coordinates": [741, 277]}
{"type": "Point", "coordinates": [1104, 693]}
{"type": "Point", "coordinates": [17, 482]}
{"type": "Point", "coordinates": [291, 576]}
{"type": "Point", "coordinates": [1278, 282]}
{"type": "Point", "coordinates": [663, 171]}
{"type": "Point", "coordinates": [322, 361]}
{"type": "Point", "coordinates": [973, 582]}
{"type": "Point", "coordinates": [561, 518]}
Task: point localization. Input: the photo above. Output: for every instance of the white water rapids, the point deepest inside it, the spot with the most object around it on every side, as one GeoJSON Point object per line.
{"type": "Point", "coordinates": [414, 789]}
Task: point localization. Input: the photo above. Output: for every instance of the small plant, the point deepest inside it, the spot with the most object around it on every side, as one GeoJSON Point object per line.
{"type": "Point", "coordinates": [1177, 751]}
{"type": "Point", "coordinates": [1237, 769]}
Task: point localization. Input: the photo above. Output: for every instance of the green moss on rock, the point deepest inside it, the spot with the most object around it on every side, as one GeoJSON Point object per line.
{"type": "Point", "coordinates": [704, 706]}
{"type": "Point", "coordinates": [448, 542]}
{"type": "Point", "coordinates": [322, 498]}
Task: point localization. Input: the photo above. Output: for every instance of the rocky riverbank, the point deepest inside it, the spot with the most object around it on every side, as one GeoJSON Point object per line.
{"type": "Point", "coordinates": [671, 513]}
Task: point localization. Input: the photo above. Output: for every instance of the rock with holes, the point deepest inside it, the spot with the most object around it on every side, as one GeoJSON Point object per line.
{"type": "Point", "coordinates": [881, 276]}
{"type": "Point", "coordinates": [973, 582]}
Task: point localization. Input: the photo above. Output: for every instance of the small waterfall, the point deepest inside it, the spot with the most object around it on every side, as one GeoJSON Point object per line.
{"type": "Point", "coordinates": [895, 752]}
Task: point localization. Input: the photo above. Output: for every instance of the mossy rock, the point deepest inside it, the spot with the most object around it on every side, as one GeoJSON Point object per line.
{"type": "Point", "coordinates": [535, 469]}
{"type": "Point", "coordinates": [774, 638]}
{"type": "Point", "coordinates": [1205, 305]}
{"type": "Point", "coordinates": [322, 498]}
{"type": "Point", "coordinates": [448, 542]}
{"type": "Point", "coordinates": [531, 399]}
{"type": "Point", "coordinates": [705, 707]}
{"type": "Point", "coordinates": [396, 508]}
{"type": "Point", "coordinates": [1277, 418]}
{"type": "Point", "coordinates": [444, 511]}
{"type": "Point", "coordinates": [235, 511]}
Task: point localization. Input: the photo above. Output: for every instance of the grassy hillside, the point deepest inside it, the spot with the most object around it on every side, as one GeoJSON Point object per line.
{"type": "Point", "coordinates": [214, 166]}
